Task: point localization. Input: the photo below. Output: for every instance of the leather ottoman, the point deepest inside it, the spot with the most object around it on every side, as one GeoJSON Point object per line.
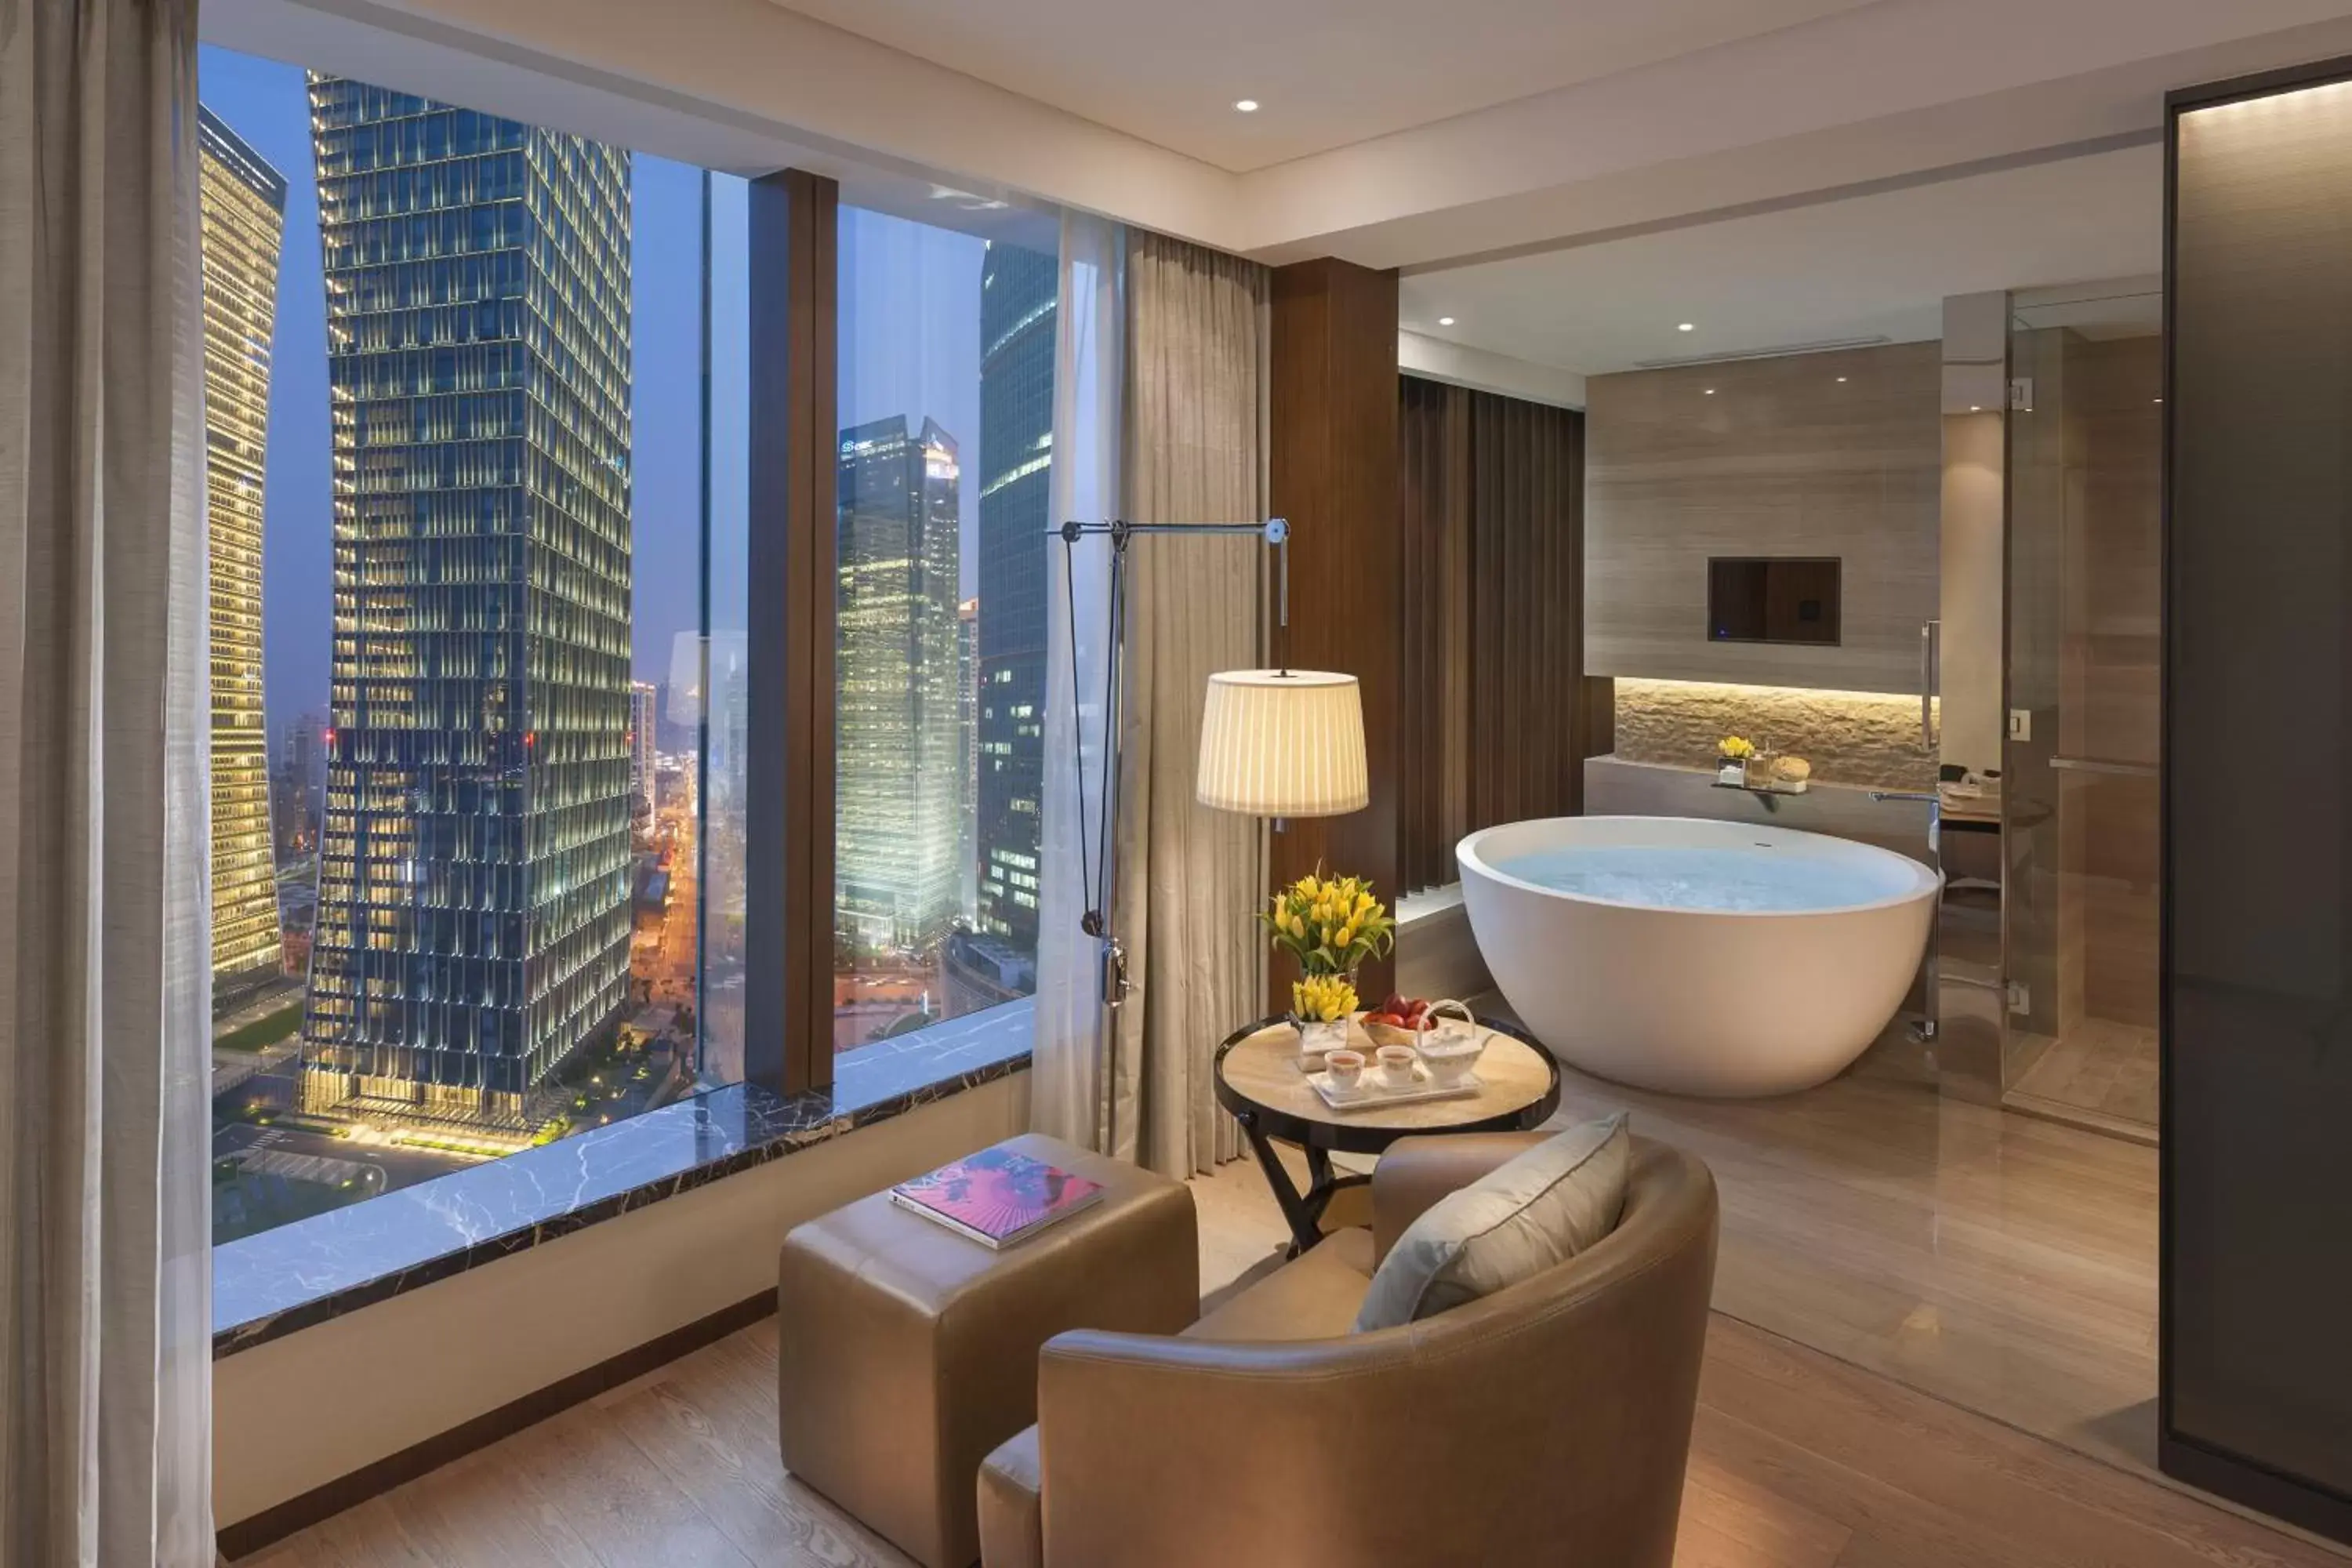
{"type": "Point", "coordinates": [906, 1352]}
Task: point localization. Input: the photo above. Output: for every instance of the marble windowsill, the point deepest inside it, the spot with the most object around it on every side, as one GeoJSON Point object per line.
{"type": "Point", "coordinates": [273, 1284]}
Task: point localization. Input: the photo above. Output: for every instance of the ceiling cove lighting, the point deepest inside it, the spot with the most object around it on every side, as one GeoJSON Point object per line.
{"type": "Point", "coordinates": [1245, 105]}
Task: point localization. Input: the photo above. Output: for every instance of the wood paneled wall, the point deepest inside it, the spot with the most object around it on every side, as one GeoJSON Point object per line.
{"type": "Point", "coordinates": [788, 761]}
{"type": "Point", "coordinates": [1780, 457]}
{"type": "Point", "coordinates": [1497, 715]}
{"type": "Point", "coordinates": [1332, 471]}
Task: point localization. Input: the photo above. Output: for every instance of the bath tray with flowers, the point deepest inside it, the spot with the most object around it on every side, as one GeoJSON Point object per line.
{"type": "Point", "coordinates": [1370, 1094]}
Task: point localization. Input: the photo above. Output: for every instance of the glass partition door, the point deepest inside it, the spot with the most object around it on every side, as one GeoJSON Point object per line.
{"type": "Point", "coordinates": [2081, 754]}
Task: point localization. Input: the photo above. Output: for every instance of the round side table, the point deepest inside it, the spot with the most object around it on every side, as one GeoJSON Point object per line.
{"type": "Point", "coordinates": [1259, 1080]}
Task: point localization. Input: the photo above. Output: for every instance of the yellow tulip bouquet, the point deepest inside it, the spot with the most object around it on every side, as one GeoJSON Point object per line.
{"type": "Point", "coordinates": [1329, 924]}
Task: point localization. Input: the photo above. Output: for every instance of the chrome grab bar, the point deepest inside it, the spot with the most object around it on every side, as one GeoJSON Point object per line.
{"type": "Point", "coordinates": [1931, 675]}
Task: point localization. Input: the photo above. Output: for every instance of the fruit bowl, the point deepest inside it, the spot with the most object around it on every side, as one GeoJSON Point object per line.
{"type": "Point", "coordinates": [1398, 1021]}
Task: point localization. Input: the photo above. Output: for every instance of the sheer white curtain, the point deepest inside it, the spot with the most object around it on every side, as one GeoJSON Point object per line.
{"type": "Point", "coordinates": [1067, 1085]}
{"type": "Point", "coordinates": [105, 1193]}
{"type": "Point", "coordinates": [1190, 877]}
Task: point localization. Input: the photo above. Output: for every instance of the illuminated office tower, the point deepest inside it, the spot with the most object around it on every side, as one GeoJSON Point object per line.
{"type": "Point", "coordinates": [967, 760]}
{"type": "Point", "coordinates": [1016, 452]}
{"type": "Point", "coordinates": [244, 220]}
{"type": "Point", "coordinates": [473, 926]}
{"type": "Point", "coordinates": [896, 755]}
{"type": "Point", "coordinates": [641, 740]}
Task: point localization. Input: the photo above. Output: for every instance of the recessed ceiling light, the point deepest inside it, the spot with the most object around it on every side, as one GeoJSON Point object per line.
{"type": "Point", "coordinates": [1840, 378]}
{"type": "Point", "coordinates": [1710, 391]}
{"type": "Point", "coordinates": [2159, 400]}
{"type": "Point", "coordinates": [1246, 105]}
{"type": "Point", "coordinates": [1444, 321]}
{"type": "Point", "coordinates": [1974, 409]}
{"type": "Point", "coordinates": [1685, 326]}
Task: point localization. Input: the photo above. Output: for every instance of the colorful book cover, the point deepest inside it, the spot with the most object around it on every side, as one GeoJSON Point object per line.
{"type": "Point", "coordinates": [996, 1196]}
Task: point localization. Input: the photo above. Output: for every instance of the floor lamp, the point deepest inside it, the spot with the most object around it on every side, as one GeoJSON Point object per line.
{"type": "Point", "coordinates": [1277, 742]}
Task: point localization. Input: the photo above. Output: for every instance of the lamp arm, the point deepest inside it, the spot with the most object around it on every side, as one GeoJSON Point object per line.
{"type": "Point", "coordinates": [1096, 921]}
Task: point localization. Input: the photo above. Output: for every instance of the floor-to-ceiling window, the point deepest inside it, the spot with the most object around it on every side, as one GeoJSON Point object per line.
{"type": "Point", "coordinates": [946, 407]}
{"type": "Point", "coordinates": [473, 391]}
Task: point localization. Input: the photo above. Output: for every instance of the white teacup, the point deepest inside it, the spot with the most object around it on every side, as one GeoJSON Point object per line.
{"type": "Point", "coordinates": [1346, 1067]}
{"type": "Point", "coordinates": [1396, 1066]}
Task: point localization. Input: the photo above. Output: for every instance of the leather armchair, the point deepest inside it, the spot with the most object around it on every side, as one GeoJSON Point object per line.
{"type": "Point", "coordinates": [1548, 1423]}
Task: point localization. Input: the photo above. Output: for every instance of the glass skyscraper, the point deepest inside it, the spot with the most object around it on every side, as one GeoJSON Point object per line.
{"type": "Point", "coordinates": [1017, 295]}
{"type": "Point", "coordinates": [967, 856]}
{"type": "Point", "coordinates": [898, 761]}
{"type": "Point", "coordinates": [244, 225]}
{"type": "Point", "coordinates": [473, 923]}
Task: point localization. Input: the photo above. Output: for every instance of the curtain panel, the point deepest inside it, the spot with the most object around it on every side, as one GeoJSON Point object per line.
{"type": "Point", "coordinates": [1066, 1082]}
{"type": "Point", "coordinates": [1189, 876]}
{"type": "Point", "coordinates": [105, 967]}
{"type": "Point", "coordinates": [1498, 716]}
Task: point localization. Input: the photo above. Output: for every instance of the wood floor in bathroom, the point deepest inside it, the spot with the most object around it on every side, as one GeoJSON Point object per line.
{"type": "Point", "coordinates": [1933, 1344]}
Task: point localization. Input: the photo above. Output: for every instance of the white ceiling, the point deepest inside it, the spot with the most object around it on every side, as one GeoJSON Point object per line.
{"type": "Point", "coordinates": [1870, 266]}
{"type": "Point", "coordinates": [1831, 96]}
{"type": "Point", "coordinates": [1326, 73]}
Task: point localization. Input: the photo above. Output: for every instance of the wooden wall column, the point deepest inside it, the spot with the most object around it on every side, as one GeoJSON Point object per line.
{"type": "Point", "coordinates": [1332, 464]}
{"type": "Point", "coordinates": [789, 732]}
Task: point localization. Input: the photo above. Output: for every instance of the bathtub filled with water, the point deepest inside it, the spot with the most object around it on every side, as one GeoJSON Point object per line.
{"type": "Point", "coordinates": [1694, 956]}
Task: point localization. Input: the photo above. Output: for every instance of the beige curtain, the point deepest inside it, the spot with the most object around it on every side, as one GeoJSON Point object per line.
{"type": "Point", "coordinates": [1189, 878]}
{"type": "Point", "coordinates": [105, 1192]}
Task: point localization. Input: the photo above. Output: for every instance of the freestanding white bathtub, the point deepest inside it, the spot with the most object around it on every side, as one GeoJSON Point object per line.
{"type": "Point", "coordinates": [1698, 957]}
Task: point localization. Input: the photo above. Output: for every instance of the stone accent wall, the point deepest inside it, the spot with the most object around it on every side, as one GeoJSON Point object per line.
{"type": "Point", "coordinates": [1850, 737]}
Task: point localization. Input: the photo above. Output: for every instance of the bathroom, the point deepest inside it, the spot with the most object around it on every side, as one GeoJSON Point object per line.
{"type": "Point", "coordinates": [1908, 534]}
{"type": "Point", "coordinates": [1921, 576]}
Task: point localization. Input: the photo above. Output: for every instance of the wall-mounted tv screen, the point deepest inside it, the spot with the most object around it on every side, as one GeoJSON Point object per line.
{"type": "Point", "coordinates": [1772, 599]}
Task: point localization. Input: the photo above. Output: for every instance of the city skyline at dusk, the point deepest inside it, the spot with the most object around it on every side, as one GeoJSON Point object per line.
{"type": "Point", "coordinates": [499, 447]}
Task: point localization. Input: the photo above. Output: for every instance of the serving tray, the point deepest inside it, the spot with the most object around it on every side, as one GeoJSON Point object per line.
{"type": "Point", "coordinates": [1370, 1094]}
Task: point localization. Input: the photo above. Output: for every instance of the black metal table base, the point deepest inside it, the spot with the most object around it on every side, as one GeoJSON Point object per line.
{"type": "Point", "coordinates": [1303, 1211]}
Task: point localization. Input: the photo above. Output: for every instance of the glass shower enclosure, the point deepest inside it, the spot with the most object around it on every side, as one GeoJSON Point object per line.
{"type": "Point", "coordinates": [2080, 758]}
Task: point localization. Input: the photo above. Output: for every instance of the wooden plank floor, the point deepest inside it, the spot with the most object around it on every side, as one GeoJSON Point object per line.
{"type": "Point", "coordinates": [1799, 1460]}
{"type": "Point", "coordinates": [2002, 1262]}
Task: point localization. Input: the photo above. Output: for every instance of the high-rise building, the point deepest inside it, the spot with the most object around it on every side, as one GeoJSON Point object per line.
{"type": "Point", "coordinates": [244, 222]}
{"type": "Point", "coordinates": [300, 786]}
{"type": "Point", "coordinates": [968, 755]}
{"type": "Point", "coordinates": [473, 927]}
{"type": "Point", "coordinates": [896, 757]}
{"type": "Point", "coordinates": [642, 717]}
{"type": "Point", "coordinates": [1016, 452]}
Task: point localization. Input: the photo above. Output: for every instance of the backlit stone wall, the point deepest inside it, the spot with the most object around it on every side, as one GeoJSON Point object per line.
{"type": "Point", "coordinates": [1850, 737]}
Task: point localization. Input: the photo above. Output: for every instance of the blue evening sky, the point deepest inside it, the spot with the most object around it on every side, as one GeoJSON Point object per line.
{"type": "Point", "coordinates": [909, 344]}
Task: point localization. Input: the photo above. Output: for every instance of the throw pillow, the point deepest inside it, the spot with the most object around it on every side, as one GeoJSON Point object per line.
{"type": "Point", "coordinates": [1532, 1213]}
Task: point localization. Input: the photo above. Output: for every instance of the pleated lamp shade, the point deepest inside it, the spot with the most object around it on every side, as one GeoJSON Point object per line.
{"type": "Point", "coordinates": [1284, 743]}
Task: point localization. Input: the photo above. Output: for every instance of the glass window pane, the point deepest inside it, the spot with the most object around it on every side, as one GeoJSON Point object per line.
{"type": "Point", "coordinates": [454, 371]}
{"type": "Point", "coordinates": [946, 402]}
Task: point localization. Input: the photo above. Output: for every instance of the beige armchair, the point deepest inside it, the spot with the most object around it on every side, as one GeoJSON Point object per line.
{"type": "Point", "coordinates": [1547, 1424]}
